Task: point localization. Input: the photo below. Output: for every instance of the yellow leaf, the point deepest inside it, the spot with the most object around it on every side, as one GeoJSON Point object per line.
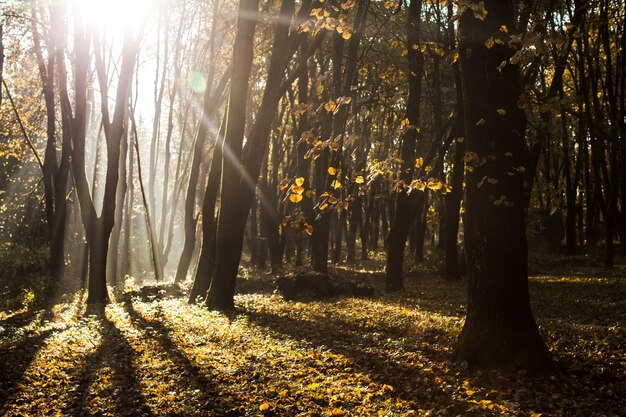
{"type": "Point", "coordinates": [310, 193]}
{"type": "Point", "coordinates": [309, 231]}
{"type": "Point", "coordinates": [296, 189]}
{"type": "Point", "coordinates": [320, 89]}
{"type": "Point", "coordinates": [347, 5]}
{"type": "Point", "coordinates": [489, 43]}
{"type": "Point", "coordinates": [501, 112]}
{"type": "Point", "coordinates": [419, 162]}
{"type": "Point", "coordinates": [336, 412]}
{"type": "Point", "coordinates": [323, 206]}
{"type": "Point", "coordinates": [284, 184]}
{"type": "Point", "coordinates": [332, 171]}
{"type": "Point", "coordinates": [330, 106]}
{"type": "Point", "coordinates": [359, 180]}
{"type": "Point", "coordinates": [295, 198]}
{"type": "Point", "coordinates": [264, 407]}
{"type": "Point", "coordinates": [435, 185]}
{"type": "Point", "coordinates": [336, 184]}
{"type": "Point", "coordinates": [299, 181]}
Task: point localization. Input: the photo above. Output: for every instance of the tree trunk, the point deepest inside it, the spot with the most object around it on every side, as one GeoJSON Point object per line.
{"type": "Point", "coordinates": [499, 330]}
{"type": "Point", "coordinates": [394, 280]}
{"type": "Point", "coordinates": [454, 197]}
{"type": "Point", "coordinates": [229, 237]}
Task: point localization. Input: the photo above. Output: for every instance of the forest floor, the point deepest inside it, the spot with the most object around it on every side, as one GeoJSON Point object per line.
{"type": "Point", "coordinates": [152, 354]}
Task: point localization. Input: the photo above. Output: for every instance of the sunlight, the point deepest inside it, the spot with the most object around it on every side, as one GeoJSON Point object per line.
{"type": "Point", "coordinates": [113, 16]}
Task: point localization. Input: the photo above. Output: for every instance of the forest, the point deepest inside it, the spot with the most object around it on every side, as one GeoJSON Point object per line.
{"type": "Point", "coordinates": [312, 207]}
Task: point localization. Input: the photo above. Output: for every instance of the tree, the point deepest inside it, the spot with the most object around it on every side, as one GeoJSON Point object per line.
{"type": "Point", "coordinates": [405, 202]}
{"type": "Point", "coordinates": [98, 228]}
{"type": "Point", "coordinates": [241, 167]}
{"type": "Point", "coordinates": [499, 330]}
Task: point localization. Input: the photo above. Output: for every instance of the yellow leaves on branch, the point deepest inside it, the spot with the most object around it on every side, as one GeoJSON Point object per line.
{"type": "Point", "coordinates": [295, 198]}
{"type": "Point", "coordinates": [333, 106]}
{"type": "Point", "coordinates": [296, 189]}
{"type": "Point", "coordinates": [283, 184]}
{"type": "Point", "coordinates": [389, 4]}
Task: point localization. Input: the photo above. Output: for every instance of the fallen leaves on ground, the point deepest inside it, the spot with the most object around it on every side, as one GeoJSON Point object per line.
{"type": "Point", "coordinates": [384, 356]}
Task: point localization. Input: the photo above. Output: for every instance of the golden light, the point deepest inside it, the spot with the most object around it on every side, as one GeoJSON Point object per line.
{"type": "Point", "coordinates": [113, 16]}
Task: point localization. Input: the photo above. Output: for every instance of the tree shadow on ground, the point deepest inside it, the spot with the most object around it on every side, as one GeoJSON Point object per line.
{"type": "Point", "coordinates": [116, 353]}
{"type": "Point", "coordinates": [587, 302]}
{"type": "Point", "coordinates": [208, 390]}
{"type": "Point", "coordinates": [22, 345]}
{"type": "Point", "coordinates": [364, 349]}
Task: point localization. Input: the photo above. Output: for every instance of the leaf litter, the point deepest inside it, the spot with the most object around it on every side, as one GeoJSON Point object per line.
{"type": "Point", "coordinates": [151, 353]}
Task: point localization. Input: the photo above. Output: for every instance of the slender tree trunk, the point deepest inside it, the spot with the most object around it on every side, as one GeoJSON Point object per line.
{"type": "Point", "coordinates": [238, 191]}
{"type": "Point", "coordinates": [205, 129]}
{"type": "Point", "coordinates": [454, 197]}
{"type": "Point", "coordinates": [394, 280]}
{"type": "Point", "coordinates": [206, 260]}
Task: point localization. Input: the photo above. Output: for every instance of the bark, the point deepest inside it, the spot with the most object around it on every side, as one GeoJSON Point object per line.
{"type": "Point", "coordinates": [454, 197]}
{"type": "Point", "coordinates": [239, 180]}
{"type": "Point", "coordinates": [206, 259]}
{"type": "Point", "coordinates": [228, 251]}
{"type": "Point", "coordinates": [205, 128]}
{"type": "Point", "coordinates": [394, 280]}
{"type": "Point", "coordinates": [499, 331]}
{"type": "Point", "coordinates": [613, 140]}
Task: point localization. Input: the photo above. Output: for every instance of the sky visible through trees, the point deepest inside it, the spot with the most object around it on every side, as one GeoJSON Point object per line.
{"type": "Point", "coordinates": [312, 207]}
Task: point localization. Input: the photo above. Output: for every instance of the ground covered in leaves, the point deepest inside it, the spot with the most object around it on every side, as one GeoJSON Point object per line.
{"type": "Point", "coordinates": [152, 354]}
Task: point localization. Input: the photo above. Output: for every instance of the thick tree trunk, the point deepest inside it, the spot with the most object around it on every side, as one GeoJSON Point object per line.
{"type": "Point", "coordinates": [499, 330]}
{"type": "Point", "coordinates": [97, 289]}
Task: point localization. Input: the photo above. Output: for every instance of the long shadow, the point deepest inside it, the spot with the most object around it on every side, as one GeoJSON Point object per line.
{"type": "Point", "coordinates": [17, 356]}
{"type": "Point", "coordinates": [354, 343]}
{"type": "Point", "coordinates": [116, 352]}
{"type": "Point", "coordinates": [209, 391]}
{"type": "Point", "coordinates": [593, 301]}
{"type": "Point", "coordinates": [596, 302]}
{"type": "Point", "coordinates": [15, 361]}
